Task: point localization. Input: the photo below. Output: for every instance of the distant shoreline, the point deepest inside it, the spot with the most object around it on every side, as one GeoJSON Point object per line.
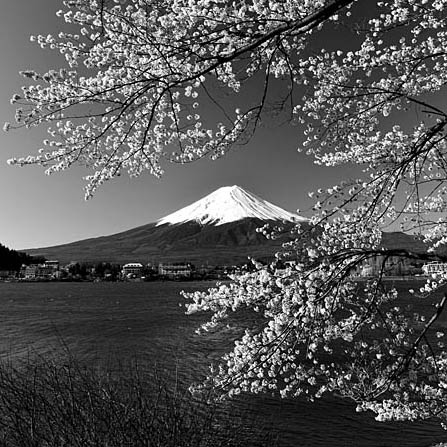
{"type": "Point", "coordinates": [168, 280]}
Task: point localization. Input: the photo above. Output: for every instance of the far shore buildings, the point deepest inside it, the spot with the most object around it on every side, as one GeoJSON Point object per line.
{"type": "Point", "coordinates": [132, 270]}
{"type": "Point", "coordinates": [381, 265]}
{"type": "Point", "coordinates": [175, 271]}
{"type": "Point", "coordinates": [47, 270]}
{"type": "Point", "coordinates": [7, 274]}
{"type": "Point", "coordinates": [435, 267]}
{"type": "Point", "coordinates": [389, 266]}
{"type": "Point", "coordinates": [399, 266]}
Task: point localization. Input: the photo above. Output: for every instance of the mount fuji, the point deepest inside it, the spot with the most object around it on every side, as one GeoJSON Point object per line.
{"type": "Point", "coordinates": [229, 204]}
{"type": "Point", "coordinates": [217, 229]}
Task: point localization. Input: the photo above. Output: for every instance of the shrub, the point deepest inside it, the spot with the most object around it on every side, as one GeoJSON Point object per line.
{"type": "Point", "coordinates": [62, 403]}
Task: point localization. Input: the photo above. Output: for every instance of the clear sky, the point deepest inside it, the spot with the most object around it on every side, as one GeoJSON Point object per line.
{"type": "Point", "coordinates": [39, 210]}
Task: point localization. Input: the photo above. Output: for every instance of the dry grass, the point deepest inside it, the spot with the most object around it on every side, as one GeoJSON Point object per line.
{"type": "Point", "coordinates": [54, 403]}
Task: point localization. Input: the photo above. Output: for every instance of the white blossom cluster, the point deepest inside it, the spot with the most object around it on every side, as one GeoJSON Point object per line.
{"type": "Point", "coordinates": [374, 107]}
{"type": "Point", "coordinates": [377, 106]}
{"type": "Point", "coordinates": [319, 330]}
{"type": "Point", "coordinates": [139, 76]}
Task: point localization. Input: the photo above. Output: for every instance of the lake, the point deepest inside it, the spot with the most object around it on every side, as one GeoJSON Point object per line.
{"type": "Point", "coordinates": [116, 323]}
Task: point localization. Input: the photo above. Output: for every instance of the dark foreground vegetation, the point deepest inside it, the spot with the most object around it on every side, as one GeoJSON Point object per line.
{"type": "Point", "coordinates": [54, 403]}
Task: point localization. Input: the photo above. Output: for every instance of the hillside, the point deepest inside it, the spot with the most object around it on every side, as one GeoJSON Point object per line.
{"type": "Point", "coordinates": [230, 243]}
{"type": "Point", "coordinates": [219, 229]}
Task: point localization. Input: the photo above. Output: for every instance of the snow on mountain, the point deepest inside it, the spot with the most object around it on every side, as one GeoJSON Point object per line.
{"type": "Point", "coordinates": [229, 204]}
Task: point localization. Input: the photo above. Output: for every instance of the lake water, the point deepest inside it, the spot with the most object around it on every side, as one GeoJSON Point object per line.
{"type": "Point", "coordinates": [110, 323]}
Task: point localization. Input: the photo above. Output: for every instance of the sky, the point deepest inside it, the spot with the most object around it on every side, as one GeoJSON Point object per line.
{"type": "Point", "coordinates": [38, 210]}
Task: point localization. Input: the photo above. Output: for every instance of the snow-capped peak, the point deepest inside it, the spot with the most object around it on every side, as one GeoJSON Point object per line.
{"type": "Point", "coordinates": [229, 204]}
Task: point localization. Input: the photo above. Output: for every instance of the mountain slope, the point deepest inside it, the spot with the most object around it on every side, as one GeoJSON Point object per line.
{"type": "Point", "coordinates": [225, 244]}
{"type": "Point", "coordinates": [228, 243]}
{"type": "Point", "coordinates": [218, 229]}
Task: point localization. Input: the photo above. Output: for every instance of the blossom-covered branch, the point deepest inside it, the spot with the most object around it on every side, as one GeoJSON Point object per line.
{"type": "Point", "coordinates": [131, 94]}
{"type": "Point", "coordinates": [321, 329]}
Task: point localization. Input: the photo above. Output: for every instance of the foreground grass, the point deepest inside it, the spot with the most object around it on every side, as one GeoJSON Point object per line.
{"type": "Point", "coordinates": [49, 403]}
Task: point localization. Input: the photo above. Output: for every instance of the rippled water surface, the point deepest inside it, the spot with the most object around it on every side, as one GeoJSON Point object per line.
{"type": "Point", "coordinates": [123, 322]}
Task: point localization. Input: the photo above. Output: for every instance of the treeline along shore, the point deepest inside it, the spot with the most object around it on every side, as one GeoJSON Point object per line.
{"type": "Point", "coordinates": [18, 266]}
{"type": "Point", "coordinates": [106, 271]}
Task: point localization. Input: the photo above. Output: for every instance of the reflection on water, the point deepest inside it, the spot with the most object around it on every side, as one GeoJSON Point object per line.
{"type": "Point", "coordinates": [110, 323]}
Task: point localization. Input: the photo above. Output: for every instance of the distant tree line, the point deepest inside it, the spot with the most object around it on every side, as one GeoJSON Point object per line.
{"type": "Point", "coordinates": [101, 270]}
{"type": "Point", "coordinates": [13, 260]}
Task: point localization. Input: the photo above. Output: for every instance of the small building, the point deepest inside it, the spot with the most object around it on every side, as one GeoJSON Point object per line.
{"type": "Point", "coordinates": [44, 271]}
{"type": "Point", "coordinates": [175, 271]}
{"type": "Point", "coordinates": [29, 271]}
{"type": "Point", "coordinates": [132, 270]}
{"type": "Point", "coordinates": [434, 267]}
{"type": "Point", "coordinates": [7, 274]}
{"type": "Point", "coordinates": [53, 264]}
{"type": "Point", "coordinates": [382, 265]}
